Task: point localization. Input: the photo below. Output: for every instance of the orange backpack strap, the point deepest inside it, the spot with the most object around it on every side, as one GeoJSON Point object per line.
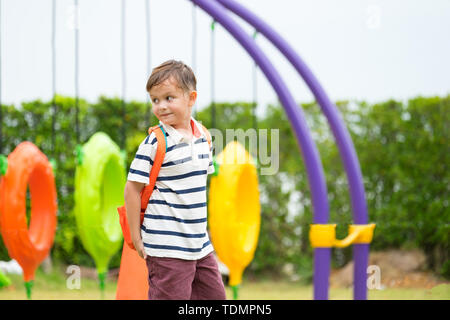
{"type": "Point", "coordinates": [159, 157]}
{"type": "Point", "coordinates": [208, 135]}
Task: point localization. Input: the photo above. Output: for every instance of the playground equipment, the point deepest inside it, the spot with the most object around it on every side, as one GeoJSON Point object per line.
{"type": "Point", "coordinates": [27, 165]}
{"type": "Point", "coordinates": [99, 181]}
{"type": "Point", "coordinates": [234, 211]}
{"type": "Point", "coordinates": [100, 177]}
{"type": "Point", "coordinates": [322, 251]}
{"type": "Point", "coordinates": [322, 255]}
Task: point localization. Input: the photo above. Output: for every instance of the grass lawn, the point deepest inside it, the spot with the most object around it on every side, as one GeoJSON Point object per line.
{"type": "Point", "coordinates": [291, 291]}
{"type": "Point", "coordinates": [53, 286]}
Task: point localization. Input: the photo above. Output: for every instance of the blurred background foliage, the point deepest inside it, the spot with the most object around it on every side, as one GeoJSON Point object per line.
{"type": "Point", "coordinates": [403, 149]}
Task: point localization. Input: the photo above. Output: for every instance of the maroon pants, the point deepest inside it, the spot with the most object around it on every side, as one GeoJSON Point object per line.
{"type": "Point", "coordinates": [178, 279]}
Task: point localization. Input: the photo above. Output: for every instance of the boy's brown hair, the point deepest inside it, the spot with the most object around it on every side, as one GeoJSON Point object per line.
{"type": "Point", "coordinates": [183, 75]}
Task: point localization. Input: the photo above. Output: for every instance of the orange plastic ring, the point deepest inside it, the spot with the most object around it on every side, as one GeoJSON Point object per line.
{"type": "Point", "coordinates": [27, 165]}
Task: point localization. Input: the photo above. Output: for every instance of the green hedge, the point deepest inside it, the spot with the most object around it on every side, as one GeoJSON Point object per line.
{"type": "Point", "coordinates": [403, 149]}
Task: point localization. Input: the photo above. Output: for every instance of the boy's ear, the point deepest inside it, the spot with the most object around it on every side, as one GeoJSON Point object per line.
{"type": "Point", "coordinates": [192, 97]}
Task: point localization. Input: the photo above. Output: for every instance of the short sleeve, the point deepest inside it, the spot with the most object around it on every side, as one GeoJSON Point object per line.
{"type": "Point", "coordinates": [143, 161]}
{"type": "Point", "coordinates": [211, 168]}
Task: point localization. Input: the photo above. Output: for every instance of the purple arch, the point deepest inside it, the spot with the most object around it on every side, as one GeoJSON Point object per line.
{"type": "Point", "coordinates": [342, 137]}
{"type": "Point", "coordinates": [316, 178]}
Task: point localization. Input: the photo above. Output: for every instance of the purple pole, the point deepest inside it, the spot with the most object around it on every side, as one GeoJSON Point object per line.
{"type": "Point", "coordinates": [361, 260]}
{"type": "Point", "coordinates": [322, 263]}
{"type": "Point", "coordinates": [309, 151]}
{"type": "Point", "coordinates": [342, 137]}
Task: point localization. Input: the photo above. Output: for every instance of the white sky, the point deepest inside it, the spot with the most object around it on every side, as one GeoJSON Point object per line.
{"type": "Point", "coordinates": [358, 49]}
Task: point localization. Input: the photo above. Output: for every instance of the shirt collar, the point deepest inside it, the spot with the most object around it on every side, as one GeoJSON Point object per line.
{"type": "Point", "coordinates": [197, 131]}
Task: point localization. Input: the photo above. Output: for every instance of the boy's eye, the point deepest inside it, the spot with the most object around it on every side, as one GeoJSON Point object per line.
{"type": "Point", "coordinates": [169, 98]}
{"type": "Point", "coordinates": [155, 100]}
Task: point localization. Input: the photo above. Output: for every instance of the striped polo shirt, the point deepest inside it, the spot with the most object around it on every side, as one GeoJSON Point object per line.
{"type": "Point", "coordinates": [175, 219]}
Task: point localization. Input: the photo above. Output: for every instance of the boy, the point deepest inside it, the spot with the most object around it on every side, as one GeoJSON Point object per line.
{"type": "Point", "coordinates": [173, 238]}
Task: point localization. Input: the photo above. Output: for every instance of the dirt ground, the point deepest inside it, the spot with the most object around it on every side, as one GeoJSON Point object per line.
{"type": "Point", "coordinates": [398, 269]}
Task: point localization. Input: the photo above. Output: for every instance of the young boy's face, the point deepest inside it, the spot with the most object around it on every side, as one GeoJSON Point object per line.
{"type": "Point", "coordinates": [171, 104]}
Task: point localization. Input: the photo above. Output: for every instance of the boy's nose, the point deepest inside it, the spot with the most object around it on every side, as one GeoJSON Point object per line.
{"type": "Point", "coordinates": [162, 106]}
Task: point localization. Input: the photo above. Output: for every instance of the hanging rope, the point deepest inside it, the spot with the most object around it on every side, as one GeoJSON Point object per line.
{"type": "Point", "coordinates": [123, 140]}
{"type": "Point", "coordinates": [213, 103]}
{"type": "Point", "coordinates": [149, 115]}
{"type": "Point", "coordinates": [1, 106]}
{"type": "Point", "coordinates": [78, 149]}
{"type": "Point", "coordinates": [3, 159]}
{"type": "Point", "coordinates": [53, 161]}
{"type": "Point", "coordinates": [77, 124]}
{"type": "Point", "coordinates": [194, 46]}
{"type": "Point", "coordinates": [53, 75]}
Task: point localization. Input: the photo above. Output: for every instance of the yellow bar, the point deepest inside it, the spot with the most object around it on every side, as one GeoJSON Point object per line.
{"type": "Point", "coordinates": [324, 235]}
{"type": "Point", "coordinates": [365, 232]}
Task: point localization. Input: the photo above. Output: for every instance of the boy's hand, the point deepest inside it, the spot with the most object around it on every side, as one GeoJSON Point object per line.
{"type": "Point", "coordinates": [132, 195]}
{"type": "Point", "coordinates": [139, 246]}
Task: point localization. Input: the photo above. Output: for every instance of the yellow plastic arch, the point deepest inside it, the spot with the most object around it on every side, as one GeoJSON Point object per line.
{"type": "Point", "coordinates": [234, 210]}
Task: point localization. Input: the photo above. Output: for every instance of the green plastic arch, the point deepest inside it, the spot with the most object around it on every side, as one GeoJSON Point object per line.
{"type": "Point", "coordinates": [99, 185]}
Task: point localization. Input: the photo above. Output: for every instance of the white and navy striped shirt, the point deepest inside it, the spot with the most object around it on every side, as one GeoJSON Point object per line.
{"type": "Point", "coordinates": [175, 219]}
